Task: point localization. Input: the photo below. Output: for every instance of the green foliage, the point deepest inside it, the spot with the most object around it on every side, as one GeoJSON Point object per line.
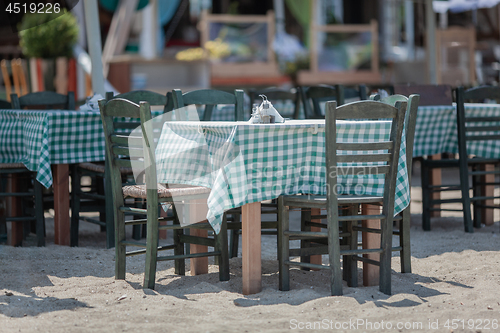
{"type": "Point", "coordinates": [50, 36]}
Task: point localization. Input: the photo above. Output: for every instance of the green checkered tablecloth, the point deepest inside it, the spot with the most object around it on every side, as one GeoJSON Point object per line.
{"type": "Point", "coordinates": [244, 163]}
{"type": "Point", "coordinates": [436, 130]}
{"type": "Point", "coordinates": [41, 138]}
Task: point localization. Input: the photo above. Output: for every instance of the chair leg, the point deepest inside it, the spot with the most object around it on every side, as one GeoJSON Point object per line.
{"type": "Point", "coordinates": [305, 216]}
{"type": "Point", "coordinates": [75, 205]}
{"type": "Point", "coordinates": [404, 241]}
{"type": "Point", "coordinates": [221, 245]}
{"type": "Point", "coordinates": [385, 256]}
{"type": "Point", "coordinates": [334, 254]}
{"type": "Point", "coordinates": [283, 246]}
{"type": "Point", "coordinates": [464, 187]}
{"type": "Point", "coordinates": [120, 249]}
{"type": "Point", "coordinates": [40, 222]}
{"type": "Point", "coordinates": [426, 194]}
{"type": "Point", "coordinates": [179, 264]}
{"type": "Point", "coordinates": [476, 188]}
{"type": "Point", "coordinates": [234, 238]}
{"type": "Point", "coordinates": [151, 249]}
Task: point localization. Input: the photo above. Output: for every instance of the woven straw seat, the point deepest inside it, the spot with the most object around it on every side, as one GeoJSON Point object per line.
{"type": "Point", "coordinates": [12, 166]}
{"type": "Point", "coordinates": [99, 167]}
{"type": "Point", "coordinates": [139, 191]}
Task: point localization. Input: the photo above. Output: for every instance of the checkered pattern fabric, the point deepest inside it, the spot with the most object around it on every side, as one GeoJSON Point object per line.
{"type": "Point", "coordinates": [41, 138]}
{"type": "Point", "coordinates": [436, 130]}
{"type": "Point", "coordinates": [244, 163]}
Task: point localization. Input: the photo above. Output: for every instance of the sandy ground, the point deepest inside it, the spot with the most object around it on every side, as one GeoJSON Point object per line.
{"type": "Point", "coordinates": [454, 287]}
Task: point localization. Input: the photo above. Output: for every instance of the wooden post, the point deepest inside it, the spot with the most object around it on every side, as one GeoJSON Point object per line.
{"type": "Point", "coordinates": [198, 212]}
{"type": "Point", "coordinates": [435, 179]}
{"type": "Point", "coordinates": [251, 248]}
{"type": "Point", "coordinates": [371, 240]}
{"type": "Point", "coordinates": [487, 214]}
{"type": "Point", "coordinates": [61, 204]}
{"type": "Point", "coordinates": [16, 234]}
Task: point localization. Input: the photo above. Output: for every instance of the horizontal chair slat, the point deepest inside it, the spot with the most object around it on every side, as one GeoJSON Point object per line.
{"type": "Point", "coordinates": [483, 128]}
{"type": "Point", "coordinates": [361, 170]}
{"type": "Point", "coordinates": [481, 119]}
{"type": "Point", "coordinates": [364, 145]}
{"type": "Point", "coordinates": [197, 240]}
{"type": "Point", "coordinates": [482, 137]}
{"type": "Point", "coordinates": [305, 264]}
{"type": "Point", "coordinates": [133, 152]}
{"type": "Point", "coordinates": [126, 140]}
{"type": "Point", "coordinates": [189, 256]}
{"type": "Point", "coordinates": [120, 162]}
{"type": "Point", "coordinates": [361, 217]}
{"type": "Point", "coordinates": [364, 158]}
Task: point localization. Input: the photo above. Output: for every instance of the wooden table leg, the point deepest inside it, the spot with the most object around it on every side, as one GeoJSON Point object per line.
{"type": "Point", "coordinates": [61, 204]}
{"type": "Point", "coordinates": [435, 179]}
{"type": "Point", "coordinates": [316, 259]}
{"type": "Point", "coordinates": [371, 240]}
{"type": "Point", "coordinates": [251, 248]}
{"type": "Point", "coordinates": [487, 215]}
{"type": "Point", "coordinates": [16, 228]}
{"type": "Point", "coordinates": [198, 212]}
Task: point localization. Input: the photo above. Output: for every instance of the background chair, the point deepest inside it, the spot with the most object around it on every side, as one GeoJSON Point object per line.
{"type": "Point", "coordinates": [284, 100]}
{"type": "Point", "coordinates": [118, 148]}
{"type": "Point", "coordinates": [404, 218]}
{"type": "Point", "coordinates": [316, 95]}
{"type": "Point", "coordinates": [91, 197]}
{"type": "Point", "coordinates": [44, 100]}
{"type": "Point", "coordinates": [209, 99]}
{"type": "Point", "coordinates": [477, 130]}
{"type": "Point", "coordinates": [349, 249]}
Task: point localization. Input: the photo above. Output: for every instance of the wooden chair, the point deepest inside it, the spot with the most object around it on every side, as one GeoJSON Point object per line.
{"type": "Point", "coordinates": [279, 95]}
{"type": "Point", "coordinates": [404, 217]}
{"type": "Point", "coordinates": [315, 95]}
{"type": "Point", "coordinates": [431, 165]}
{"type": "Point", "coordinates": [349, 250]}
{"type": "Point", "coordinates": [210, 98]}
{"type": "Point", "coordinates": [482, 170]}
{"type": "Point", "coordinates": [120, 149]}
{"type": "Point", "coordinates": [44, 100]}
{"type": "Point", "coordinates": [93, 198]}
{"type": "Point", "coordinates": [5, 104]}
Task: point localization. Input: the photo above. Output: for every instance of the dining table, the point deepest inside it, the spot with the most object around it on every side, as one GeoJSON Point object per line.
{"type": "Point", "coordinates": [47, 142]}
{"type": "Point", "coordinates": [245, 164]}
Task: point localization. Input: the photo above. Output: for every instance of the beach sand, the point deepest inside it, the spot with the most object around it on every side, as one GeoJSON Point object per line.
{"type": "Point", "coordinates": [454, 287]}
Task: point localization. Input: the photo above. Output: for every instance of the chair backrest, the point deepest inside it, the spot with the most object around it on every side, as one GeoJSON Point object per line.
{"type": "Point", "coordinates": [5, 104]}
{"type": "Point", "coordinates": [153, 98]}
{"type": "Point", "coordinates": [210, 98]}
{"type": "Point", "coordinates": [275, 94]}
{"type": "Point", "coordinates": [409, 124]}
{"type": "Point", "coordinates": [322, 93]}
{"type": "Point", "coordinates": [364, 163]}
{"type": "Point", "coordinates": [440, 94]}
{"type": "Point", "coordinates": [45, 100]}
{"type": "Point", "coordinates": [125, 148]}
{"type": "Point", "coordinates": [479, 128]}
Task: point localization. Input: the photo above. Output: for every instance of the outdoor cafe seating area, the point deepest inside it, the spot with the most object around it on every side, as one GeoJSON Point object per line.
{"type": "Point", "coordinates": [182, 175]}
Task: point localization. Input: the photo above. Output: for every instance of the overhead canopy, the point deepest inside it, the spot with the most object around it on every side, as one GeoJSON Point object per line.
{"type": "Point", "coordinates": [457, 6]}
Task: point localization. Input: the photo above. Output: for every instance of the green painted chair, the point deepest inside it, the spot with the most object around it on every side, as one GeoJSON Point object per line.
{"type": "Point", "coordinates": [120, 149]}
{"type": "Point", "coordinates": [348, 223]}
{"type": "Point", "coordinates": [44, 100]}
{"type": "Point", "coordinates": [315, 95]}
{"type": "Point", "coordinates": [209, 98]}
{"type": "Point", "coordinates": [404, 217]}
{"type": "Point", "coordinates": [92, 197]}
{"type": "Point", "coordinates": [470, 131]}
{"type": "Point", "coordinates": [5, 104]}
{"type": "Point", "coordinates": [278, 95]}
